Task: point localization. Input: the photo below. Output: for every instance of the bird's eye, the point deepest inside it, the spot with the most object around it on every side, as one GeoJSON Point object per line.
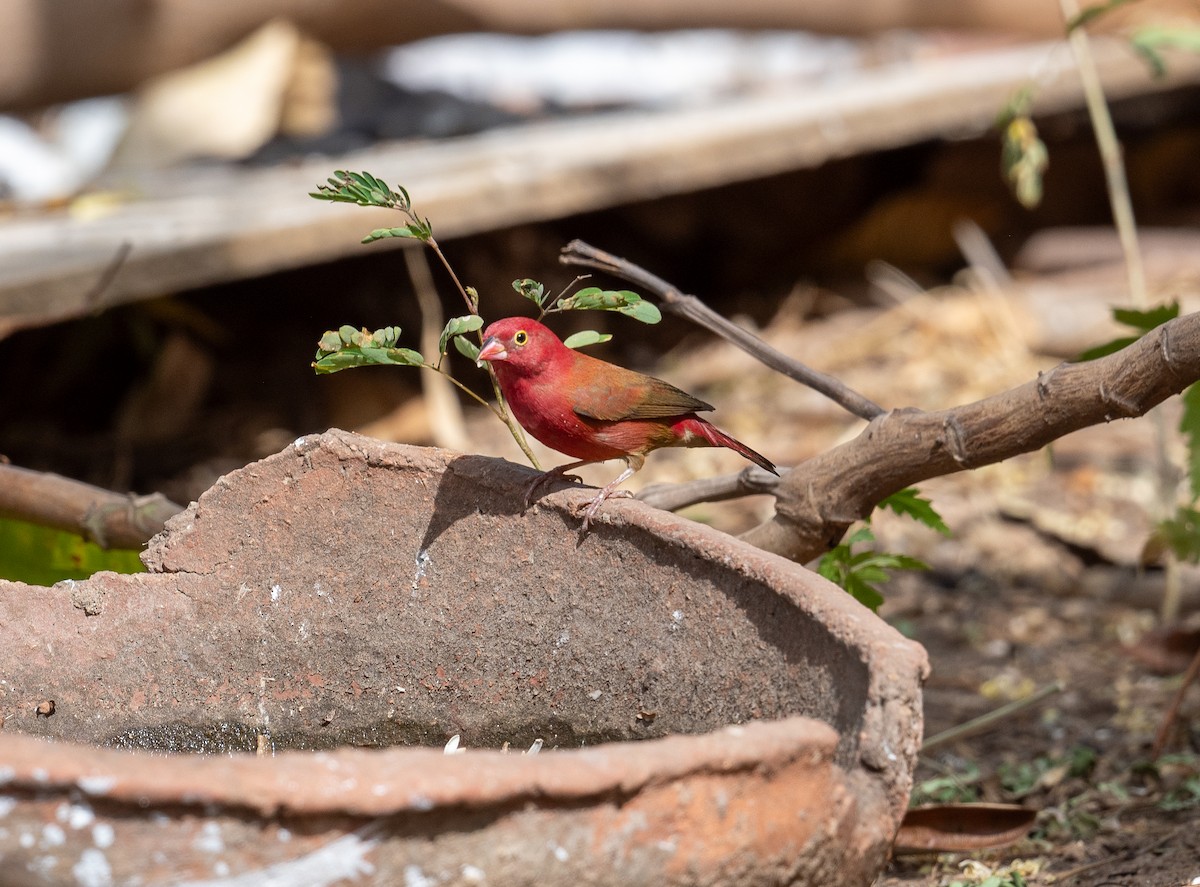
{"type": "Point", "coordinates": [521, 337]}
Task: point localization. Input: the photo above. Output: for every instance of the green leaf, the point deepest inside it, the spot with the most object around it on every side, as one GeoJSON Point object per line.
{"type": "Point", "coordinates": [864, 592]}
{"type": "Point", "coordinates": [583, 338]}
{"type": "Point", "coordinates": [1181, 533]}
{"type": "Point", "coordinates": [624, 301]}
{"type": "Point", "coordinates": [1142, 321]}
{"type": "Point", "coordinates": [531, 290]}
{"type": "Point", "coordinates": [466, 348]}
{"type": "Point", "coordinates": [909, 502]}
{"type": "Point", "coordinates": [330, 342]}
{"type": "Point", "coordinates": [412, 230]}
{"type": "Point", "coordinates": [646, 312]}
{"type": "Point", "coordinates": [1107, 348]}
{"type": "Point", "coordinates": [860, 572]}
{"type": "Point", "coordinates": [1145, 321]}
{"type": "Point", "coordinates": [1189, 424]}
{"type": "Point", "coordinates": [456, 326]}
{"type": "Point", "coordinates": [351, 347]}
{"type": "Point", "coordinates": [42, 556]}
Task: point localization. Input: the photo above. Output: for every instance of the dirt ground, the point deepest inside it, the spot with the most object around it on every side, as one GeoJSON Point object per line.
{"type": "Point", "coordinates": [1107, 815]}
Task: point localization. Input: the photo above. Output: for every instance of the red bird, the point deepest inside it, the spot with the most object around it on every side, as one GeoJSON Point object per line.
{"type": "Point", "coordinates": [593, 410]}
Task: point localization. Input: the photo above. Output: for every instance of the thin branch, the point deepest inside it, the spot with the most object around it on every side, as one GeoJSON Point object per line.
{"type": "Point", "coordinates": [750, 481]}
{"type": "Point", "coordinates": [449, 428]}
{"type": "Point", "coordinates": [691, 308]}
{"type": "Point", "coordinates": [819, 499]}
{"type": "Point", "coordinates": [109, 519]}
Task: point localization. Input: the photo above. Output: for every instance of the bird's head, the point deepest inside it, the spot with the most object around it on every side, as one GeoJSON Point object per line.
{"type": "Point", "coordinates": [522, 344]}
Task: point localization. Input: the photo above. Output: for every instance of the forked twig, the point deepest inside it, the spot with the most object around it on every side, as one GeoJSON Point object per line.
{"type": "Point", "coordinates": [691, 308]}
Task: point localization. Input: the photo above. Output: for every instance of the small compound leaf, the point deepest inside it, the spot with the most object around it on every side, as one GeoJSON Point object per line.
{"type": "Point", "coordinates": [411, 230]}
{"type": "Point", "coordinates": [456, 326]}
{"type": "Point", "coordinates": [583, 338]}
{"type": "Point", "coordinates": [406, 356]}
{"type": "Point", "coordinates": [624, 301]}
{"type": "Point", "coordinates": [330, 341]}
{"type": "Point", "coordinates": [466, 347]}
{"type": "Point", "coordinates": [531, 290]}
{"type": "Point", "coordinates": [351, 347]}
{"type": "Point", "coordinates": [646, 312]}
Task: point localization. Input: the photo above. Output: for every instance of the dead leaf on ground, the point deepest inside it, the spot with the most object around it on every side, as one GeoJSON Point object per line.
{"type": "Point", "coordinates": [952, 828]}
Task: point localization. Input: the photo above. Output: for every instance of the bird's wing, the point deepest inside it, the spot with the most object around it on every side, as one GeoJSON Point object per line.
{"type": "Point", "coordinates": [624, 394]}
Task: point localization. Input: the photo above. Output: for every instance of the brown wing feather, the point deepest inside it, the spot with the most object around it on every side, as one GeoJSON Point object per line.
{"type": "Point", "coordinates": [618, 393]}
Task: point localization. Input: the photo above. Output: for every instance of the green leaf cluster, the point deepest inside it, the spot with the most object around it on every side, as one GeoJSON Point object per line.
{"type": "Point", "coordinates": [349, 347]}
{"type": "Point", "coordinates": [583, 338]}
{"type": "Point", "coordinates": [861, 572]}
{"type": "Point", "coordinates": [455, 327]}
{"type": "Point", "coordinates": [42, 556]}
{"type": "Point", "coordinates": [622, 301]}
{"type": "Point", "coordinates": [364, 189]}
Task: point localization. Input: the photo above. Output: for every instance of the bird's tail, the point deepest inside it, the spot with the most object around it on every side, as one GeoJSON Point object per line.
{"type": "Point", "coordinates": [695, 427]}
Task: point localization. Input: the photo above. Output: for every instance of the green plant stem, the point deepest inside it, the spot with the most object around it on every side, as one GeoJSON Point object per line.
{"type": "Point", "coordinates": [1110, 156]}
{"type": "Point", "coordinates": [502, 408]}
{"type": "Point", "coordinates": [500, 413]}
{"type": "Point", "coordinates": [985, 721]}
{"type": "Point", "coordinates": [462, 290]}
{"type": "Point", "coordinates": [1122, 211]}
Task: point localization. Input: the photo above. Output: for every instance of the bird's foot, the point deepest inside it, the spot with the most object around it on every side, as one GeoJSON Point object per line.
{"type": "Point", "coordinates": [544, 478]}
{"type": "Point", "coordinates": [592, 507]}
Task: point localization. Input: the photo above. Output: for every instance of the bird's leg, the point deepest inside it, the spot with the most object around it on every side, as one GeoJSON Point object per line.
{"type": "Point", "coordinates": [553, 474]}
{"type": "Point", "coordinates": [633, 462]}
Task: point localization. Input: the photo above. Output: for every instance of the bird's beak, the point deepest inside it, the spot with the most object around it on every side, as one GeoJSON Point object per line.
{"type": "Point", "coordinates": [492, 350]}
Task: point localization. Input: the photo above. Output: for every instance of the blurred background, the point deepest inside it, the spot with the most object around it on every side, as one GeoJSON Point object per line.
{"type": "Point", "coordinates": [164, 277]}
{"type": "Point", "coordinates": [906, 196]}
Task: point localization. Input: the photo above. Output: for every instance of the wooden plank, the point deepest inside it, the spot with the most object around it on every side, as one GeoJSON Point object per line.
{"type": "Point", "coordinates": [202, 226]}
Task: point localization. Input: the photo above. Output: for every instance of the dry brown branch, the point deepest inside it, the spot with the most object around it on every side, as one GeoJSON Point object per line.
{"type": "Point", "coordinates": [747, 482]}
{"type": "Point", "coordinates": [109, 519]}
{"type": "Point", "coordinates": [690, 308]}
{"type": "Point", "coordinates": [819, 499]}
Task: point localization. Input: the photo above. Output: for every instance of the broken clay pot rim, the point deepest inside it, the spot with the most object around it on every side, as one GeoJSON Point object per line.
{"type": "Point", "coordinates": [373, 782]}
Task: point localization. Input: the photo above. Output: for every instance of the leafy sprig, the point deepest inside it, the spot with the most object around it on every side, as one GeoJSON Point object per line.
{"type": "Point", "coordinates": [349, 347]}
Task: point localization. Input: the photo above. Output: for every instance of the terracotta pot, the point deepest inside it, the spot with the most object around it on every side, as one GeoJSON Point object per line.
{"type": "Point", "coordinates": [347, 592]}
